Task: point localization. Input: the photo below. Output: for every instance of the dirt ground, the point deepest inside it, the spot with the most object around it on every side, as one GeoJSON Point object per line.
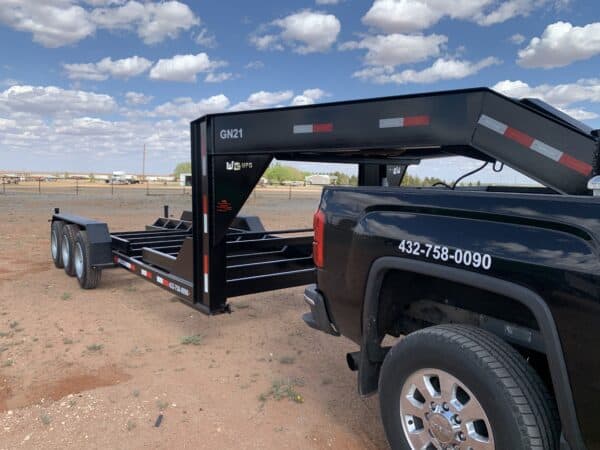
{"type": "Point", "coordinates": [95, 369]}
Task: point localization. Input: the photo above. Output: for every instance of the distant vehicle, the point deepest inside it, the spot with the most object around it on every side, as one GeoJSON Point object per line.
{"type": "Point", "coordinates": [119, 177]}
{"type": "Point", "coordinates": [10, 178]}
{"type": "Point", "coordinates": [320, 179]}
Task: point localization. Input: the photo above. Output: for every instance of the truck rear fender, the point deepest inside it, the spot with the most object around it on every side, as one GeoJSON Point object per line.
{"type": "Point", "coordinates": [371, 352]}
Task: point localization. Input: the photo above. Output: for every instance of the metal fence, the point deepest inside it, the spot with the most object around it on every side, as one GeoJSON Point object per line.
{"type": "Point", "coordinates": [100, 189]}
{"type": "Point", "coordinates": [83, 187]}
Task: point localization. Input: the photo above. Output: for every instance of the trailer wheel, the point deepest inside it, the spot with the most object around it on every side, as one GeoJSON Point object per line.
{"type": "Point", "coordinates": [55, 243]}
{"type": "Point", "coordinates": [455, 386]}
{"type": "Point", "coordinates": [67, 246]}
{"type": "Point", "coordinates": [88, 276]}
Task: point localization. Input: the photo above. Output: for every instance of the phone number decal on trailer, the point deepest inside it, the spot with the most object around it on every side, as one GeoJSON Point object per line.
{"type": "Point", "coordinates": [459, 256]}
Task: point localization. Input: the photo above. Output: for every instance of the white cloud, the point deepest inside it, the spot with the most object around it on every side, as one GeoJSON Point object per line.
{"type": "Point", "coordinates": [188, 109]}
{"type": "Point", "coordinates": [305, 32]}
{"type": "Point", "coordinates": [266, 42]}
{"type": "Point", "coordinates": [206, 39]}
{"type": "Point", "coordinates": [264, 99]}
{"type": "Point", "coordinates": [560, 45]}
{"type": "Point", "coordinates": [327, 2]}
{"type": "Point", "coordinates": [137, 98]}
{"type": "Point", "coordinates": [441, 69]}
{"type": "Point", "coordinates": [403, 16]}
{"type": "Point", "coordinates": [183, 67]}
{"type": "Point", "coordinates": [106, 67]}
{"type": "Point", "coordinates": [54, 101]}
{"type": "Point", "coordinates": [507, 10]}
{"type": "Point", "coordinates": [154, 22]}
{"type": "Point", "coordinates": [8, 82]}
{"type": "Point", "coordinates": [562, 96]}
{"type": "Point", "coordinates": [255, 65]}
{"type": "Point", "coordinates": [212, 77]}
{"type": "Point", "coordinates": [53, 23]}
{"type": "Point", "coordinates": [52, 127]}
{"type": "Point", "coordinates": [309, 97]}
{"type": "Point", "coordinates": [517, 39]}
{"type": "Point", "coordinates": [394, 49]}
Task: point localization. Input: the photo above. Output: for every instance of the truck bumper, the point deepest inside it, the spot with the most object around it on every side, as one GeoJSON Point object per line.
{"type": "Point", "coordinates": [318, 317]}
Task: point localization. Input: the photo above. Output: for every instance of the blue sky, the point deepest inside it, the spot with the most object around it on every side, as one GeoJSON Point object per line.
{"type": "Point", "coordinates": [84, 84]}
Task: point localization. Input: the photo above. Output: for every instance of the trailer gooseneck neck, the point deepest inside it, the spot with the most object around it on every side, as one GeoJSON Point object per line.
{"type": "Point", "coordinates": [231, 151]}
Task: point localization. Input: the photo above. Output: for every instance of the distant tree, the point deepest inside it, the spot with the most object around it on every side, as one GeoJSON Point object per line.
{"type": "Point", "coordinates": [184, 167]}
{"type": "Point", "coordinates": [278, 173]}
{"type": "Point", "coordinates": [92, 178]}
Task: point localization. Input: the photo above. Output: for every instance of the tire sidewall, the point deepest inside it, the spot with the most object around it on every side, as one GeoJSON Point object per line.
{"type": "Point", "coordinates": [68, 239]}
{"type": "Point", "coordinates": [66, 244]}
{"type": "Point", "coordinates": [80, 241]}
{"type": "Point", "coordinates": [56, 231]}
{"type": "Point", "coordinates": [427, 352]}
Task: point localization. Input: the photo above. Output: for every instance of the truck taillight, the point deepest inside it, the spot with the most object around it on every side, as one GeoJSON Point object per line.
{"type": "Point", "coordinates": [319, 230]}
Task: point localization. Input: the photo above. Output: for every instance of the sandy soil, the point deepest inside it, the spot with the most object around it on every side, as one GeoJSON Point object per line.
{"type": "Point", "coordinates": [95, 369]}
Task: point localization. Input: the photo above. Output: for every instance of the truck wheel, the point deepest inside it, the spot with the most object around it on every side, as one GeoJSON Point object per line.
{"type": "Point", "coordinates": [55, 241]}
{"type": "Point", "coordinates": [88, 276]}
{"type": "Point", "coordinates": [456, 386]}
{"type": "Point", "coordinates": [67, 246]}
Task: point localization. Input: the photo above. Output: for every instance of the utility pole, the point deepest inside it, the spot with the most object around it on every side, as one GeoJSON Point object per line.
{"type": "Point", "coordinates": [144, 165]}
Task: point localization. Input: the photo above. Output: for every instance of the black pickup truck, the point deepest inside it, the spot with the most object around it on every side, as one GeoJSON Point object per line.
{"type": "Point", "coordinates": [495, 290]}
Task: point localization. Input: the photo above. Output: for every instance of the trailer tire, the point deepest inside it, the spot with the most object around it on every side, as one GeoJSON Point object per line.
{"type": "Point", "coordinates": [67, 246]}
{"type": "Point", "coordinates": [87, 275]}
{"type": "Point", "coordinates": [464, 364]}
{"type": "Point", "coordinates": [56, 230]}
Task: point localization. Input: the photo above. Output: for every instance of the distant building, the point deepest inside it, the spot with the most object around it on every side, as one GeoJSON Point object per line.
{"type": "Point", "coordinates": [185, 179]}
{"type": "Point", "coordinates": [320, 180]}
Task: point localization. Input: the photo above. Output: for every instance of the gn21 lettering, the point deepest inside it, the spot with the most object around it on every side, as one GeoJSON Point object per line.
{"type": "Point", "coordinates": [231, 133]}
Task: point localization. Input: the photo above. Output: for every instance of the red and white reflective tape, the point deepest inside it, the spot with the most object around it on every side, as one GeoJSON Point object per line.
{"type": "Point", "coordinates": [313, 128]}
{"type": "Point", "coordinates": [403, 122]}
{"type": "Point", "coordinates": [125, 264]}
{"type": "Point", "coordinates": [146, 274]}
{"type": "Point", "coordinates": [205, 212]}
{"type": "Point", "coordinates": [537, 146]}
{"type": "Point", "coordinates": [161, 280]}
{"type": "Point", "coordinates": [205, 269]}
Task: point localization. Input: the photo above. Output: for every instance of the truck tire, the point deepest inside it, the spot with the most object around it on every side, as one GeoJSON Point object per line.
{"type": "Point", "coordinates": [456, 385]}
{"type": "Point", "coordinates": [88, 276]}
{"type": "Point", "coordinates": [56, 230]}
{"type": "Point", "coordinates": [67, 246]}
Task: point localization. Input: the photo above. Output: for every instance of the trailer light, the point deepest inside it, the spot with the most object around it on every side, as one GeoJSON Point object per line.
{"type": "Point", "coordinates": [318, 242]}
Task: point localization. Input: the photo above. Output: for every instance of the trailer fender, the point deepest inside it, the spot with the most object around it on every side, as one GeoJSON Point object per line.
{"type": "Point", "coordinates": [371, 351]}
{"type": "Point", "coordinates": [98, 236]}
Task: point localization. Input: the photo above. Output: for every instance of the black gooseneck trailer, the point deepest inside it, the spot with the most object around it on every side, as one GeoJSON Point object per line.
{"type": "Point", "coordinates": [212, 254]}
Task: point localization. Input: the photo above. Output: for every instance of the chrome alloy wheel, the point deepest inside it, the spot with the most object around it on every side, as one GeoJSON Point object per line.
{"type": "Point", "coordinates": [78, 260]}
{"type": "Point", "coordinates": [438, 411]}
{"type": "Point", "coordinates": [54, 245]}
